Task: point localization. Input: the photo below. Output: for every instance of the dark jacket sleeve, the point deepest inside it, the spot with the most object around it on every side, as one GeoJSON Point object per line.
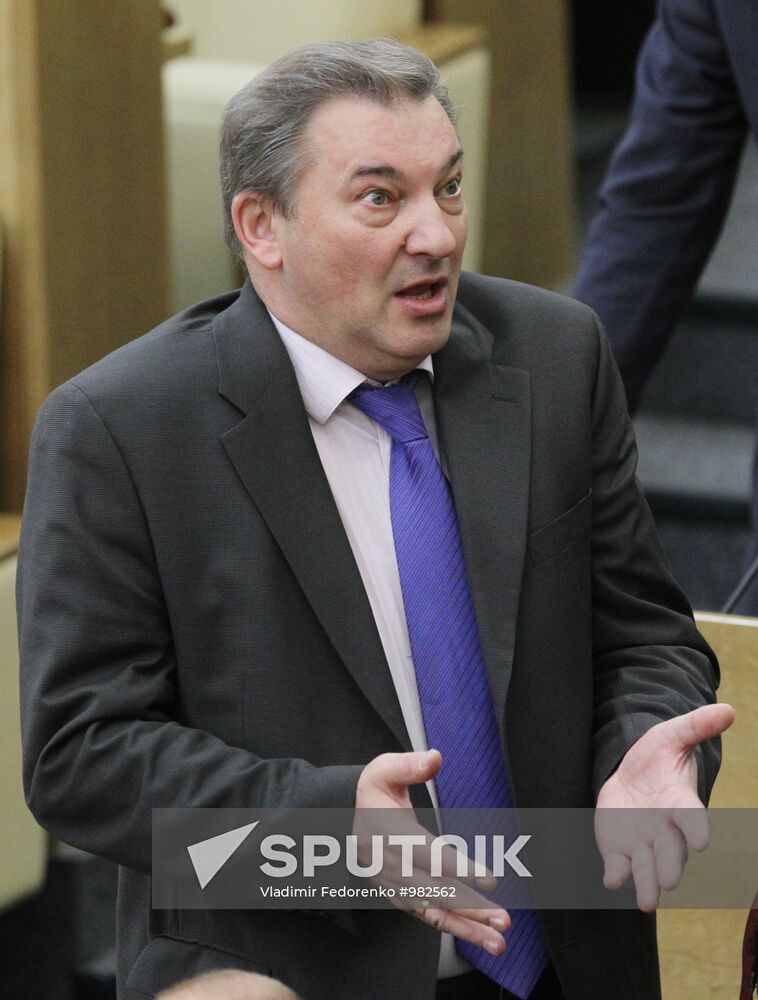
{"type": "Point", "coordinates": [98, 663]}
{"type": "Point", "coordinates": [668, 187]}
{"type": "Point", "coordinates": [650, 662]}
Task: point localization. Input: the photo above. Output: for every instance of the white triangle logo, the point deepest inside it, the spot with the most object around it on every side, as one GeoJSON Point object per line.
{"type": "Point", "coordinates": [208, 856]}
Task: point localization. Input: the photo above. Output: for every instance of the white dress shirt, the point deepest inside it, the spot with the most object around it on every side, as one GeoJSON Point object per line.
{"type": "Point", "coordinates": [355, 453]}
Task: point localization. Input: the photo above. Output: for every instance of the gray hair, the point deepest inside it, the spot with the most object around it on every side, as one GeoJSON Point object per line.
{"type": "Point", "coordinates": [263, 126]}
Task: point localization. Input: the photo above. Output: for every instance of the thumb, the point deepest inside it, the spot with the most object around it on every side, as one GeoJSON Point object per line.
{"type": "Point", "coordinates": [403, 769]}
{"type": "Point", "coordinates": [701, 724]}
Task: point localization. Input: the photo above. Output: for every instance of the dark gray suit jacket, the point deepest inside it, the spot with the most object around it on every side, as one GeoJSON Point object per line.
{"type": "Point", "coordinates": [194, 630]}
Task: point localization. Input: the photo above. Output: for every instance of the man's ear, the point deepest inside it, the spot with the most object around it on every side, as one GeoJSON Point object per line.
{"type": "Point", "coordinates": [253, 218]}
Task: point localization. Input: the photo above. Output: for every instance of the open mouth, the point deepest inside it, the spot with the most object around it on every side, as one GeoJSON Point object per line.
{"type": "Point", "coordinates": [421, 291]}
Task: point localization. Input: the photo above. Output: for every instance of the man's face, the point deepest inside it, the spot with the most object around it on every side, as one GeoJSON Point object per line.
{"type": "Point", "coordinates": [371, 257]}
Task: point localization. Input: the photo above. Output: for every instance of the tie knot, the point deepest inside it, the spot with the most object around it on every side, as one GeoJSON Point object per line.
{"type": "Point", "coordinates": [395, 407]}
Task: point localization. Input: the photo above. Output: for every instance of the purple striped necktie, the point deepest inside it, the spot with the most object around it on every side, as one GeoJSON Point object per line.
{"type": "Point", "coordinates": [456, 703]}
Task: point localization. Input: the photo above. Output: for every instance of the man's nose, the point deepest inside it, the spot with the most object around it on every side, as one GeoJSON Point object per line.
{"type": "Point", "coordinates": [430, 232]}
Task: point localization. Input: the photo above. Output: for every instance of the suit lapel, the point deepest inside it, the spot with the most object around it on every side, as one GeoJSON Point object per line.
{"type": "Point", "coordinates": [483, 413]}
{"type": "Point", "coordinates": [273, 452]}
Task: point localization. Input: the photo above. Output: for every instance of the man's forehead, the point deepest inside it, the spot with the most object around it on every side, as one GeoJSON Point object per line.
{"type": "Point", "coordinates": [394, 173]}
{"type": "Point", "coordinates": [359, 129]}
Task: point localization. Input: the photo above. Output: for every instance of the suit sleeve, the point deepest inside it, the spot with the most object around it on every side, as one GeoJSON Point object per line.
{"type": "Point", "coordinates": [650, 662]}
{"type": "Point", "coordinates": [98, 668]}
{"type": "Point", "coordinates": [667, 190]}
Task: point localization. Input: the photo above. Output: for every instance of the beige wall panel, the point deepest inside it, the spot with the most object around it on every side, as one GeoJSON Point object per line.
{"type": "Point", "coordinates": [23, 306]}
{"type": "Point", "coordinates": [195, 94]}
{"type": "Point", "coordinates": [701, 953]}
{"type": "Point", "coordinates": [701, 949]}
{"type": "Point", "coordinates": [83, 198]}
{"type": "Point", "coordinates": [24, 843]}
{"type": "Point", "coordinates": [735, 642]}
{"type": "Point", "coordinates": [102, 176]}
{"type": "Point", "coordinates": [529, 233]}
{"type": "Point", "coordinates": [467, 75]}
{"type": "Point", "coordinates": [258, 31]}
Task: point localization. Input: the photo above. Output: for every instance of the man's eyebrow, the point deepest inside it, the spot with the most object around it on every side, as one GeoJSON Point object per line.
{"type": "Point", "coordinates": [457, 157]}
{"type": "Point", "coordinates": [393, 174]}
{"type": "Point", "coordinates": [379, 170]}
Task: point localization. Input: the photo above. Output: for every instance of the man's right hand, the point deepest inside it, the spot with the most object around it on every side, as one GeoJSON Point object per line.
{"type": "Point", "coordinates": [383, 784]}
{"type": "Point", "coordinates": [384, 781]}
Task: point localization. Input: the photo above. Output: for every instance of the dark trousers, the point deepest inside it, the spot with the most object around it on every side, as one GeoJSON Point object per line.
{"type": "Point", "coordinates": [475, 986]}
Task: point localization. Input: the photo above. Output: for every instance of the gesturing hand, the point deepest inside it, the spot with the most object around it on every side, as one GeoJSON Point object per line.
{"type": "Point", "coordinates": [383, 784]}
{"type": "Point", "coordinates": [658, 773]}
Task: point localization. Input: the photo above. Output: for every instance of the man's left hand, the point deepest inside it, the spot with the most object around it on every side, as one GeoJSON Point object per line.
{"type": "Point", "coordinates": [658, 772]}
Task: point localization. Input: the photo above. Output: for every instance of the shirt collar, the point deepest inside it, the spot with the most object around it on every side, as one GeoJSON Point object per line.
{"type": "Point", "coordinates": [324, 380]}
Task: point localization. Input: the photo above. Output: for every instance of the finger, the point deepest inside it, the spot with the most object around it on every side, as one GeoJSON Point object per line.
{"type": "Point", "coordinates": [450, 893]}
{"type": "Point", "coordinates": [701, 724]}
{"type": "Point", "coordinates": [645, 879]}
{"type": "Point", "coordinates": [618, 868]}
{"type": "Point", "coordinates": [695, 826]}
{"type": "Point", "coordinates": [466, 929]}
{"type": "Point", "coordinates": [670, 851]}
{"type": "Point", "coordinates": [403, 769]}
{"type": "Point", "coordinates": [390, 774]}
{"type": "Point", "coordinates": [395, 825]}
{"type": "Point", "coordinates": [498, 919]}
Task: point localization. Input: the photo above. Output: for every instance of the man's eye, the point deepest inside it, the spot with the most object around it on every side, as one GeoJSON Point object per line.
{"type": "Point", "coordinates": [378, 198]}
{"type": "Point", "coordinates": [452, 188]}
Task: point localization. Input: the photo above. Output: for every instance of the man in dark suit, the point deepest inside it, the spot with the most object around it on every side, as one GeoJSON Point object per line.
{"type": "Point", "coordinates": [214, 611]}
{"type": "Point", "coordinates": [669, 185]}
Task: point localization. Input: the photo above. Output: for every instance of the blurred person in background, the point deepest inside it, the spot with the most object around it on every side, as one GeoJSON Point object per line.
{"type": "Point", "coordinates": [228, 984]}
{"type": "Point", "coordinates": [668, 187]}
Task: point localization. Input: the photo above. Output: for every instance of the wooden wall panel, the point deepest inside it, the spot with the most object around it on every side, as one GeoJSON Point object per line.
{"type": "Point", "coordinates": [257, 31]}
{"type": "Point", "coordinates": [701, 949]}
{"type": "Point", "coordinates": [23, 307]}
{"type": "Point", "coordinates": [530, 233]}
{"type": "Point", "coordinates": [82, 197]}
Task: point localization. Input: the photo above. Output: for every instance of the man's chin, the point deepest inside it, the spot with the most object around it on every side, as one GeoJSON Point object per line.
{"type": "Point", "coordinates": [430, 335]}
